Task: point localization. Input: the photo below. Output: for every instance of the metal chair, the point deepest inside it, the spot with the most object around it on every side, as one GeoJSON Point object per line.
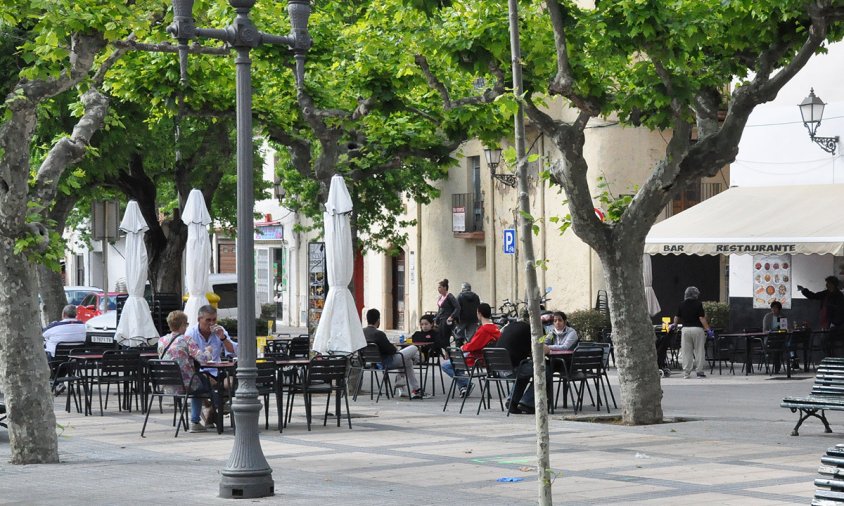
{"type": "Point", "coordinates": [119, 367]}
{"type": "Point", "coordinates": [461, 368]}
{"type": "Point", "coordinates": [499, 370]}
{"type": "Point", "coordinates": [325, 375]}
{"type": "Point", "coordinates": [586, 363]}
{"type": "Point", "coordinates": [166, 380]}
{"type": "Point", "coordinates": [265, 383]}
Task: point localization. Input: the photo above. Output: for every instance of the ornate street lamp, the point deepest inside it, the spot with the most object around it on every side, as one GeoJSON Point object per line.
{"type": "Point", "coordinates": [812, 111]}
{"type": "Point", "coordinates": [493, 159]}
{"type": "Point", "coordinates": [247, 473]}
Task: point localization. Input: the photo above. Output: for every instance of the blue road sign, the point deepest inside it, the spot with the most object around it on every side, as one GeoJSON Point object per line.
{"type": "Point", "coordinates": [510, 241]}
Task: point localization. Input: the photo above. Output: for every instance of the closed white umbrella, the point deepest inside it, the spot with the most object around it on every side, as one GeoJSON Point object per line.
{"type": "Point", "coordinates": [135, 327]}
{"type": "Point", "coordinates": [339, 330]}
{"type": "Point", "coordinates": [648, 278]}
{"type": "Point", "coordinates": [197, 253]}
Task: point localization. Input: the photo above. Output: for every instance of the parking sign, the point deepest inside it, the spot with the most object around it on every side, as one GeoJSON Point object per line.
{"type": "Point", "coordinates": [510, 241]}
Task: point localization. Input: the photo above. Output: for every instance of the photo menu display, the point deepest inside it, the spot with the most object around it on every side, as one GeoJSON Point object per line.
{"type": "Point", "coordinates": [771, 280]}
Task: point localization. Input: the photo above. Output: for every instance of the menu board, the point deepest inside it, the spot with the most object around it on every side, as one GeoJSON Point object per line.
{"type": "Point", "coordinates": [317, 284]}
{"type": "Point", "coordinates": [771, 280]}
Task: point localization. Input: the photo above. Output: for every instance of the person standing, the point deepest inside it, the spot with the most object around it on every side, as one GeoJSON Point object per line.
{"type": "Point", "coordinates": [691, 316]}
{"type": "Point", "coordinates": [448, 310]}
{"type": "Point", "coordinates": [832, 311]}
{"type": "Point", "coordinates": [467, 323]}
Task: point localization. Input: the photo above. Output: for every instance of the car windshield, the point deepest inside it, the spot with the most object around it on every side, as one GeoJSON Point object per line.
{"type": "Point", "coordinates": [75, 296]}
{"type": "Point", "coordinates": [112, 303]}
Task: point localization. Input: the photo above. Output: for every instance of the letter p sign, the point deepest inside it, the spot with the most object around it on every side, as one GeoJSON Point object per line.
{"type": "Point", "coordinates": [510, 241]}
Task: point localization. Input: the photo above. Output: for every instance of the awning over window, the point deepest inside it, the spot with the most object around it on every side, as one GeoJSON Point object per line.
{"type": "Point", "coordinates": [807, 220]}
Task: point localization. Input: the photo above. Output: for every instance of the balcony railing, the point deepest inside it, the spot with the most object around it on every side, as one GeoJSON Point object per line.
{"type": "Point", "coordinates": [467, 216]}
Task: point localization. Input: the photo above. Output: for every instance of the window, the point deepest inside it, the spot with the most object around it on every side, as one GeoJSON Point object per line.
{"type": "Point", "coordinates": [228, 295]}
{"type": "Point", "coordinates": [480, 258]}
{"type": "Point", "coordinates": [89, 300]}
{"type": "Point", "coordinates": [477, 199]}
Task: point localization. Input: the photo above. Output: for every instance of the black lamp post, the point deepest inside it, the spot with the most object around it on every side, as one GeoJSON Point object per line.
{"type": "Point", "coordinates": [812, 111]}
{"type": "Point", "coordinates": [493, 159]}
{"type": "Point", "coordinates": [247, 473]}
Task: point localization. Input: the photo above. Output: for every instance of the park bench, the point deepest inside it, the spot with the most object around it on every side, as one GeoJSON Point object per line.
{"type": "Point", "coordinates": [827, 394]}
{"type": "Point", "coordinates": [831, 483]}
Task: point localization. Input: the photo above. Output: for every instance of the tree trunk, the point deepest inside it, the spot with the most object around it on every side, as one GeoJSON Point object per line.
{"type": "Point", "coordinates": [51, 288]}
{"type": "Point", "coordinates": [24, 375]}
{"type": "Point", "coordinates": [165, 256]}
{"type": "Point", "coordinates": [51, 284]}
{"type": "Point", "coordinates": [633, 335]}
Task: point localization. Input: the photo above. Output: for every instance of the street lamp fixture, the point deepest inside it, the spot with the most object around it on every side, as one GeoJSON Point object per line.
{"type": "Point", "coordinates": [812, 111]}
{"type": "Point", "coordinates": [493, 159]}
{"type": "Point", "coordinates": [247, 473]}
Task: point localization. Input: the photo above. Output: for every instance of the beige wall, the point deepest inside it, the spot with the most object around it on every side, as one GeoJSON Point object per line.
{"type": "Point", "coordinates": [622, 155]}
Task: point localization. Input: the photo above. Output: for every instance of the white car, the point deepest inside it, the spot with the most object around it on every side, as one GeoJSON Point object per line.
{"type": "Point", "coordinates": [106, 322]}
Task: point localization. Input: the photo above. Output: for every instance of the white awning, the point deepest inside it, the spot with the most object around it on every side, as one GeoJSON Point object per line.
{"type": "Point", "coordinates": [756, 220]}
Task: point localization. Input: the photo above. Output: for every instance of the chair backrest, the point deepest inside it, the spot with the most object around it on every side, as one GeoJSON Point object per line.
{"type": "Point", "coordinates": [120, 361]}
{"type": "Point", "coordinates": [458, 361]}
{"type": "Point", "coordinates": [775, 341]}
{"type": "Point", "coordinates": [327, 369]}
{"type": "Point", "coordinates": [277, 346]}
{"type": "Point", "coordinates": [64, 349]}
{"type": "Point", "coordinates": [164, 373]}
{"type": "Point", "coordinates": [498, 363]}
{"type": "Point", "coordinates": [265, 381]}
{"type": "Point", "coordinates": [300, 347]}
{"type": "Point", "coordinates": [370, 354]}
{"type": "Point", "coordinates": [587, 358]}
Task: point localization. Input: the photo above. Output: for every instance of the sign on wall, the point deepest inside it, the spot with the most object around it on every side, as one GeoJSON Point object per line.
{"type": "Point", "coordinates": [771, 280]}
{"type": "Point", "coordinates": [510, 241]}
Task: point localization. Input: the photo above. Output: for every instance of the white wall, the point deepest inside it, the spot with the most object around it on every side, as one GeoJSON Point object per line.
{"type": "Point", "coordinates": [776, 150]}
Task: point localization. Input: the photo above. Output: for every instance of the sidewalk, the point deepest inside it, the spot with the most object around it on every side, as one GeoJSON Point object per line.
{"type": "Point", "coordinates": [736, 450]}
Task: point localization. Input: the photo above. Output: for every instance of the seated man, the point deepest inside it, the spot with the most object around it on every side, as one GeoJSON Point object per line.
{"type": "Point", "coordinates": [183, 350]}
{"type": "Point", "coordinates": [206, 333]}
{"type": "Point", "coordinates": [515, 338]}
{"type": "Point", "coordinates": [486, 334]}
{"type": "Point", "coordinates": [392, 358]}
{"type": "Point", "coordinates": [67, 330]}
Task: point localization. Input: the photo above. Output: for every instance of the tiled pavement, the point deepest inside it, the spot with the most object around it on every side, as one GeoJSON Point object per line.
{"type": "Point", "coordinates": [737, 450]}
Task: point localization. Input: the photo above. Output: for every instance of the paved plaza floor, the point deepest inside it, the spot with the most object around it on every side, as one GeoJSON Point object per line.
{"type": "Point", "coordinates": [735, 449]}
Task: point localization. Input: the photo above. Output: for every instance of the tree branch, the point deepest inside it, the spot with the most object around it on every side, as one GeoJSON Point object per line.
{"type": "Point", "coordinates": [563, 82]}
{"type": "Point", "coordinates": [131, 44]}
{"type": "Point", "coordinates": [489, 95]}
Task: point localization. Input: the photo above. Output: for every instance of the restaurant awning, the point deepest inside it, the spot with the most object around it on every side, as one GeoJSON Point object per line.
{"type": "Point", "coordinates": [758, 220]}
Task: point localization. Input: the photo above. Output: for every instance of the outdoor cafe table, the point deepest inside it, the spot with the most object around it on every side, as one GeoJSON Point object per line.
{"type": "Point", "coordinates": [748, 342]}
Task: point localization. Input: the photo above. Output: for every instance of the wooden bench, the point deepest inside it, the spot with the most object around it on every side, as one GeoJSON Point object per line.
{"type": "Point", "coordinates": [827, 394]}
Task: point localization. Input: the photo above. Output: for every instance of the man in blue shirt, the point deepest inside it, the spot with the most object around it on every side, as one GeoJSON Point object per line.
{"type": "Point", "coordinates": [207, 333]}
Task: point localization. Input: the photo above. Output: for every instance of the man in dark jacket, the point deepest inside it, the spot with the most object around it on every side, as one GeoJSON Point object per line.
{"type": "Point", "coordinates": [391, 357]}
{"type": "Point", "coordinates": [515, 338]}
{"type": "Point", "coordinates": [468, 319]}
{"type": "Point", "coordinates": [832, 312]}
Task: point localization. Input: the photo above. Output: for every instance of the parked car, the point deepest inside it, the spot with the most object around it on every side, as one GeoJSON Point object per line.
{"type": "Point", "coordinates": [95, 304]}
{"type": "Point", "coordinates": [75, 294]}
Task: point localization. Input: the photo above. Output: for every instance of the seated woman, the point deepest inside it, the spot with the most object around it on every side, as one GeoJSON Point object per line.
{"type": "Point", "coordinates": [774, 321]}
{"type": "Point", "coordinates": [561, 337]}
{"type": "Point", "coordinates": [183, 350]}
{"type": "Point", "coordinates": [426, 334]}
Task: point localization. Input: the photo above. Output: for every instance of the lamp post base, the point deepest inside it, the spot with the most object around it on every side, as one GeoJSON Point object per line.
{"type": "Point", "coordinates": [247, 474]}
{"type": "Point", "coordinates": [247, 487]}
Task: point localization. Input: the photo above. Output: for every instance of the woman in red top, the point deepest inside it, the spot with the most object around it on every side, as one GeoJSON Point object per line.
{"type": "Point", "coordinates": [486, 334]}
